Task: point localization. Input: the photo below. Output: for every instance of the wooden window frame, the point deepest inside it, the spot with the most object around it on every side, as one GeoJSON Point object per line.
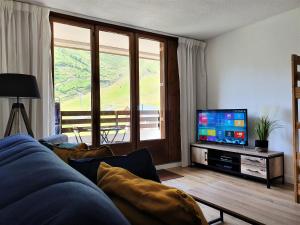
{"type": "Point", "coordinates": [132, 81]}
{"type": "Point", "coordinates": [171, 90]}
{"type": "Point", "coordinates": [165, 72]}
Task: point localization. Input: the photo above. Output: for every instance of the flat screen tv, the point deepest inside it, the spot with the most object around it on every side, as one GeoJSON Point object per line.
{"type": "Point", "coordinates": [224, 126]}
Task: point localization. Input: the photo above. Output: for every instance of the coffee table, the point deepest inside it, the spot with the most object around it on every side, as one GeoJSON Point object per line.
{"type": "Point", "coordinates": [227, 206]}
{"type": "Point", "coordinates": [223, 210]}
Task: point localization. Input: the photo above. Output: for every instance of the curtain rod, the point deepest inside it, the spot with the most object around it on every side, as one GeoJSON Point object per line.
{"type": "Point", "coordinates": [105, 21]}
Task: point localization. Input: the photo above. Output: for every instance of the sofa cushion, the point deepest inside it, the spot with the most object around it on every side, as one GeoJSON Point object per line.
{"type": "Point", "coordinates": [138, 162]}
{"type": "Point", "coordinates": [38, 188]}
{"type": "Point", "coordinates": [167, 205]}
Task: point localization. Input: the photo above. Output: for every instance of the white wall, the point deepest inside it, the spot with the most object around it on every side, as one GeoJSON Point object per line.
{"type": "Point", "coordinates": [251, 68]}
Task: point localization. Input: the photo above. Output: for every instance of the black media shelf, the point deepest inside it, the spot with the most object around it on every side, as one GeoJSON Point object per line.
{"type": "Point", "coordinates": [239, 161]}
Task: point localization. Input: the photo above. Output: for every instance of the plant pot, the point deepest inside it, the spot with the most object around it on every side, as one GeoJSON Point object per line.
{"type": "Point", "coordinates": [261, 145]}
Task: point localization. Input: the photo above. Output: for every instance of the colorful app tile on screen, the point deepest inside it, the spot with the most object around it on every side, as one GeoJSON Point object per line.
{"type": "Point", "coordinates": [239, 134]}
{"type": "Point", "coordinates": [203, 138]}
{"type": "Point", "coordinates": [239, 116]}
{"type": "Point", "coordinates": [229, 116]}
{"type": "Point", "coordinates": [203, 118]}
{"type": "Point", "coordinates": [239, 123]}
{"type": "Point", "coordinates": [211, 138]}
{"type": "Point", "coordinates": [229, 134]}
{"type": "Point", "coordinates": [220, 134]}
{"type": "Point", "coordinates": [211, 132]}
{"type": "Point", "coordinates": [229, 123]}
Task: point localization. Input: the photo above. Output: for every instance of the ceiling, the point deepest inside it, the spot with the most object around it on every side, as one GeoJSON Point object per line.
{"type": "Point", "coordinates": [199, 19]}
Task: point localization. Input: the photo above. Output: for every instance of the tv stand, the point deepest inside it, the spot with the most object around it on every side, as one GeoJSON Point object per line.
{"type": "Point", "coordinates": [240, 161]}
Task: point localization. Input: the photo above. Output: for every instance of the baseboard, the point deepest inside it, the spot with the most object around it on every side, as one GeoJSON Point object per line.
{"type": "Point", "coordinates": [168, 165]}
{"type": "Point", "coordinates": [288, 179]}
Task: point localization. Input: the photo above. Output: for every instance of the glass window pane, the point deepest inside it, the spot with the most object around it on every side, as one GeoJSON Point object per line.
{"type": "Point", "coordinates": [151, 89]}
{"type": "Point", "coordinates": [72, 80]}
{"type": "Point", "coordinates": [114, 88]}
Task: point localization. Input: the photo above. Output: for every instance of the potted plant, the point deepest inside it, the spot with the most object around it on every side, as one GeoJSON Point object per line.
{"type": "Point", "coordinates": [263, 129]}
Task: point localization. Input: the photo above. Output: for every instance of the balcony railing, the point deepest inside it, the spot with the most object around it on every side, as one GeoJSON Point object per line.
{"type": "Point", "coordinates": [82, 119]}
{"type": "Point", "coordinates": [72, 121]}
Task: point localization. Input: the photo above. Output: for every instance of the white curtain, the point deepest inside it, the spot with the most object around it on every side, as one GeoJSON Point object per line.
{"type": "Point", "coordinates": [25, 44]}
{"type": "Point", "coordinates": [192, 77]}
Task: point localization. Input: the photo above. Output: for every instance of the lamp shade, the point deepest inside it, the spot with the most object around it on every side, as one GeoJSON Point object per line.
{"type": "Point", "coordinates": [18, 85]}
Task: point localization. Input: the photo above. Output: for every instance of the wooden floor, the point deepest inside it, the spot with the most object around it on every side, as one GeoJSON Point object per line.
{"type": "Point", "coordinates": [273, 206]}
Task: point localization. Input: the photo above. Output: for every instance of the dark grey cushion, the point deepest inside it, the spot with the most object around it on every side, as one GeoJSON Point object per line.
{"type": "Point", "coordinates": [138, 162]}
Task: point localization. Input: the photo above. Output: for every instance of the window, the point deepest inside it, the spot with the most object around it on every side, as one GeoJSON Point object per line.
{"type": "Point", "coordinates": [72, 80]}
{"type": "Point", "coordinates": [115, 104]}
{"type": "Point", "coordinates": [111, 86]}
{"type": "Point", "coordinates": [151, 89]}
{"type": "Point", "coordinates": [73, 84]}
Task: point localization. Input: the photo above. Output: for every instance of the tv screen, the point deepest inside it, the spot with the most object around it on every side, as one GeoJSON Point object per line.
{"type": "Point", "coordinates": [227, 126]}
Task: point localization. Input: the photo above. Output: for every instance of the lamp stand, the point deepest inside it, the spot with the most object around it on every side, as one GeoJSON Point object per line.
{"type": "Point", "coordinates": [15, 109]}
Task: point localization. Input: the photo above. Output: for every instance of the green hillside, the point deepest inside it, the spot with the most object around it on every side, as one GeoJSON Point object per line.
{"type": "Point", "coordinates": [73, 80]}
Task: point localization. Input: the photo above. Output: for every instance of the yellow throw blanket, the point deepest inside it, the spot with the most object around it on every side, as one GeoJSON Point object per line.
{"type": "Point", "coordinates": [134, 215]}
{"type": "Point", "coordinates": [66, 154]}
{"type": "Point", "coordinates": [139, 199]}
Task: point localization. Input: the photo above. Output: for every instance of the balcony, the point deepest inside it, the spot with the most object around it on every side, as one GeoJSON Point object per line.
{"type": "Point", "coordinates": [115, 126]}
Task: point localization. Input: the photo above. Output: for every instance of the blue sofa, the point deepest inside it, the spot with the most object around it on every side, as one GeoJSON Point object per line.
{"type": "Point", "coordinates": [36, 189]}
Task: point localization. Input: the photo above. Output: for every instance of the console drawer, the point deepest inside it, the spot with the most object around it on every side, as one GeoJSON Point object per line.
{"type": "Point", "coordinates": [255, 161]}
{"type": "Point", "coordinates": [199, 155]}
{"type": "Point", "coordinates": [254, 170]}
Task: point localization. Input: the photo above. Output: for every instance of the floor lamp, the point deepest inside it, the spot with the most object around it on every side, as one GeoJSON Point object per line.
{"type": "Point", "coordinates": [18, 86]}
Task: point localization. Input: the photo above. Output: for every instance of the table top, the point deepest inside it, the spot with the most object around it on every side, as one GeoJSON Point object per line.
{"type": "Point", "coordinates": [245, 150]}
{"type": "Point", "coordinates": [244, 197]}
{"type": "Point", "coordinates": [116, 128]}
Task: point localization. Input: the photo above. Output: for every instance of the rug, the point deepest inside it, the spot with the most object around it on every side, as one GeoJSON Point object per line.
{"type": "Point", "coordinates": [167, 175]}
